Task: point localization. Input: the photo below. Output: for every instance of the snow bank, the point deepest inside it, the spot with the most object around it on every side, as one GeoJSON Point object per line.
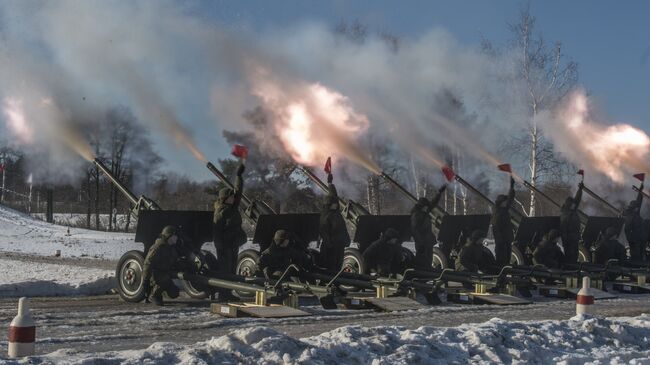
{"type": "Point", "coordinates": [21, 278]}
{"type": "Point", "coordinates": [21, 233]}
{"type": "Point", "coordinates": [576, 341]}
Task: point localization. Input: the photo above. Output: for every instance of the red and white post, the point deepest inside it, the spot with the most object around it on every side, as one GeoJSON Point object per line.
{"type": "Point", "coordinates": [22, 332]}
{"type": "Point", "coordinates": [585, 298]}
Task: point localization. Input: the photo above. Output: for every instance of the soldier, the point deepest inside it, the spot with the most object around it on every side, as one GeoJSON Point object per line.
{"type": "Point", "coordinates": [423, 231]}
{"type": "Point", "coordinates": [158, 264]}
{"type": "Point", "coordinates": [608, 248]}
{"type": "Point", "coordinates": [227, 231]}
{"type": "Point", "coordinates": [502, 228]}
{"type": "Point", "coordinates": [474, 256]}
{"type": "Point", "coordinates": [635, 228]}
{"type": "Point", "coordinates": [333, 231]}
{"type": "Point", "coordinates": [281, 253]}
{"type": "Point", "coordinates": [548, 253]}
{"type": "Point", "coordinates": [570, 226]}
{"type": "Point", "coordinates": [384, 255]}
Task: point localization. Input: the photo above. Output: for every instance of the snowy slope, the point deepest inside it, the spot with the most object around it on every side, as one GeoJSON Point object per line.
{"type": "Point", "coordinates": [579, 340]}
{"type": "Point", "coordinates": [21, 233]}
{"type": "Point", "coordinates": [24, 278]}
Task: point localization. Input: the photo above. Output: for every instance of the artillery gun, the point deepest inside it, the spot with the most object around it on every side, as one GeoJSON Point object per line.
{"type": "Point", "coordinates": [592, 227]}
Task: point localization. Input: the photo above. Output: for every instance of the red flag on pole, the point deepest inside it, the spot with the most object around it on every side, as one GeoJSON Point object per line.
{"type": "Point", "coordinates": [449, 173]}
{"type": "Point", "coordinates": [328, 165]}
{"type": "Point", "coordinates": [505, 167]}
{"type": "Point", "coordinates": [581, 172]}
{"type": "Point", "coordinates": [640, 177]}
{"type": "Point", "coordinates": [239, 151]}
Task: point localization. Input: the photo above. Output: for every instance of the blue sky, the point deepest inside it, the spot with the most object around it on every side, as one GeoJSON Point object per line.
{"type": "Point", "coordinates": [610, 40]}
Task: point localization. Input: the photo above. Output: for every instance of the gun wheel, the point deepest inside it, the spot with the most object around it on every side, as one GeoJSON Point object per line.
{"type": "Point", "coordinates": [130, 276]}
{"type": "Point", "coordinates": [583, 254]}
{"type": "Point", "coordinates": [439, 259]}
{"type": "Point", "coordinates": [517, 258]}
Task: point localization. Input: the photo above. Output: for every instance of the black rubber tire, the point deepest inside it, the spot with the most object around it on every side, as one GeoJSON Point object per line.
{"type": "Point", "coordinates": [517, 258]}
{"type": "Point", "coordinates": [247, 262]}
{"type": "Point", "coordinates": [584, 255]}
{"type": "Point", "coordinates": [202, 291]}
{"type": "Point", "coordinates": [440, 260]}
{"type": "Point", "coordinates": [353, 261]}
{"type": "Point", "coordinates": [129, 275]}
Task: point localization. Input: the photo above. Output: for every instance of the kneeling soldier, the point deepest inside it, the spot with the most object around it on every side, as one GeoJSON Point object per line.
{"type": "Point", "coordinates": [474, 256]}
{"type": "Point", "coordinates": [282, 253]}
{"type": "Point", "coordinates": [384, 255]}
{"type": "Point", "coordinates": [548, 253]}
{"type": "Point", "coordinates": [158, 266]}
{"type": "Point", "coordinates": [608, 248]}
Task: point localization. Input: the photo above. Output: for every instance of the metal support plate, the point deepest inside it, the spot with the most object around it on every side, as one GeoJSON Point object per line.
{"type": "Point", "coordinates": [572, 293]}
{"type": "Point", "coordinates": [258, 311]}
{"type": "Point", "coordinates": [390, 304]}
{"type": "Point", "coordinates": [631, 288]}
{"type": "Point", "coordinates": [489, 298]}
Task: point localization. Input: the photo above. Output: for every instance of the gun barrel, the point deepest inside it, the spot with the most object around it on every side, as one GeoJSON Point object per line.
{"type": "Point", "coordinates": [516, 216]}
{"type": "Point", "coordinates": [310, 174]}
{"type": "Point", "coordinates": [116, 182]}
{"type": "Point", "coordinates": [601, 200]}
{"type": "Point", "coordinates": [645, 193]}
{"type": "Point", "coordinates": [399, 187]}
{"type": "Point", "coordinates": [583, 216]}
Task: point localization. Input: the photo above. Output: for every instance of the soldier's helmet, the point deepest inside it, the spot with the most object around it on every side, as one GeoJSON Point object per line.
{"type": "Point", "coordinates": [477, 236]}
{"type": "Point", "coordinates": [500, 199]}
{"type": "Point", "coordinates": [225, 193]}
{"type": "Point", "coordinates": [610, 232]}
{"type": "Point", "coordinates": [553, 234]}
{"type": "Point", "coordinates": [569, 201]}
{"type": "Point", "coordinates": [168, 232]}
{"type": "Point", "coordinates": [280, 235]}
{"type": "Point", "coordinates": [391, 233]}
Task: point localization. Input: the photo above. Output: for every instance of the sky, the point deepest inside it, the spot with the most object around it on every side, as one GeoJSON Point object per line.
{"type": "Point", "coordinates": [609, 40]}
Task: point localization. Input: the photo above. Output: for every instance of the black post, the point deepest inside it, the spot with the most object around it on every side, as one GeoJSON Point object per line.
{"type": "Point", "coordinates": [49, 216]}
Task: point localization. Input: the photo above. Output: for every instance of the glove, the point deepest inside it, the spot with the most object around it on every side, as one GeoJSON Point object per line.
{"type": "Point", "coordinates": [240, 169]}
{"type": "Point", "coordinates": [330, 178]}
{"type": "Point", "coordinates": [512, 181]}
{"type": "Point", "coordinates": [581, 185]}
{"type": "Point", "coordinates": [442, 188]}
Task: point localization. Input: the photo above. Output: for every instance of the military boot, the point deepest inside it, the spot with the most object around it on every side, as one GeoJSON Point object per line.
{"type": "Point", "coordinates": [157, 296]}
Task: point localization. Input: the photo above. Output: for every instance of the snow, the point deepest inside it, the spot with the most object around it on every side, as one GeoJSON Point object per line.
{"type": "Point", "coordinates": [23, 278]}
{"type": "Point", "coordinates": [21, 233]}
{"type": "Point", "coordinates": [578, 340]}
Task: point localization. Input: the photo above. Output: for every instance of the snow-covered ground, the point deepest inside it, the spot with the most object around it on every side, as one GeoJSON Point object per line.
{"type": "Point", "coordinates": [21, 233]}
{"type": "Point", "coordinates": [575, 341]}
{"type": "Point", "coordinates": [24, 278]}
{"type": "Point", "coordinates": [80, 220]}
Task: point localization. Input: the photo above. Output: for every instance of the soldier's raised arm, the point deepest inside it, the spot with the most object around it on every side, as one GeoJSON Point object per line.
{"type": "Point", "coordinates": [331, 187]}
{"type": "Point", "coordinates": [639, 196]}
{"type": "Point", "coordinates": [578, 197]}
{"type": "Point", "coordinates": [437, 197]}
{"type": "Point", "coordinates": [511, 192]}
{"type": "Point", "coordinates": [239, 184]}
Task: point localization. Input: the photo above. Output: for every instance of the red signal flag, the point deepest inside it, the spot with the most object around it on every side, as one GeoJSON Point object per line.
{"type": "Point", "coordinates": [581, 172]}
{"type": "Point", "coordinates": [505, 167]}
{"type": "Point", "coordinates": [640, 177]}
{"type": "Point", "coordinates": [328, 165]}
{"type": "Point", "coordinates": [449, 173]}
{"type": "Point", "coordinates": [239, 151]}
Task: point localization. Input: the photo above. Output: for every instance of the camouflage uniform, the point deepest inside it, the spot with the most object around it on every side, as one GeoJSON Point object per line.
{"type": "Point", "coordinates": [384, 255]}
{"type": "Point", "coordinates": [570, 226]}
{"type": "Point", "coordinates": [422, 230]}
{"type": "Point", "coordinates": [608, 248]}
{"type": "Point", "coordinates": [548, 253]}
{"type": "Point", "coordinates": [502, 228]}
{"type": "Point", "coordinates": [474, 256]}
{"type": "Point", "coordinates": [333, 231]}
{"type": "Point", "coordinates": [158, 266]}
{"type": "Point", "coordinates": [635, 228]}
{"type": "Point", "coordinates": [275, 259]}
{"type": "Point", "coordinates": [228, 234]}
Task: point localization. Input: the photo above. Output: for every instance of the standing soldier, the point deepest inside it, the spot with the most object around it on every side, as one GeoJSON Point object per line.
{"type": "Point", "coordinates": [227, 231]}
{"type": "Point", "coordinates": [570, 226]}
{"type": "Point", "coordinates": [333, 231]}
{"type": "Point", "coordinates": [422, 230]}
{"type": "Point", "coordinates": [635, 229]}
{"type": "Point", "coordinates": [158, 264]}
{"type": "Point", "coordinates": [502, 228]}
